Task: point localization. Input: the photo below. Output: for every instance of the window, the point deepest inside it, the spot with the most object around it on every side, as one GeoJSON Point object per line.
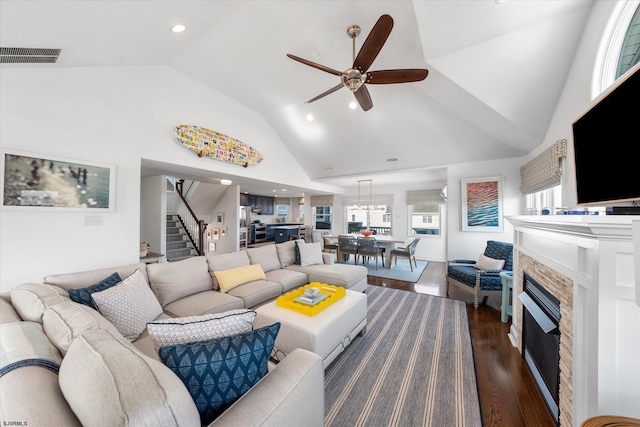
{"type": "Point", "coordinates": [549, 198]}
{"type": "Point", "coordinates": [425, 219]}
{"type": "Point", "coordinates": [322, 217]}
{"type": "Point", "coordinates": [425, 211]}
{"type": "Point", "coordinates": [282, 211]}
{"type": "Point", "coordinates": [375, 217]}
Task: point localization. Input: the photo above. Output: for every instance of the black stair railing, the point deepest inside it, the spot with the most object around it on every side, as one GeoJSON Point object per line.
{"type": "Point", "coordinates": [195, 228]}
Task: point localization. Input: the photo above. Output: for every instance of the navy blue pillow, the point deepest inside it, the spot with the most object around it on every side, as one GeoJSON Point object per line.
{"type": "Point", "coordinates": [218, 372]}
{"type": "Point", "coordinates": [83, 295]}
{"type": "Point", "coordinates": [298, 261]}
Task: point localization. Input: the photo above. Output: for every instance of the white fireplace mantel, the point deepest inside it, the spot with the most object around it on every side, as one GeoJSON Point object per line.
{"type": "Point", "coordinates": [597, 254]}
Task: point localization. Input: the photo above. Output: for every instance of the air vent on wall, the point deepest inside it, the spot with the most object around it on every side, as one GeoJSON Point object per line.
{"type": "Point", "coordinates": [27, 55]}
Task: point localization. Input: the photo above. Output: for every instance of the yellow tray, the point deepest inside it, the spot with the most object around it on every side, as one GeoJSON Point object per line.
{"type": "Point", "coordinates": [287, 300]}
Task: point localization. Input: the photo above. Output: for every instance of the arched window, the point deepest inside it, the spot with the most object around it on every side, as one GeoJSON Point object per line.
{"type": "Point", "coordinates": [619, 48]}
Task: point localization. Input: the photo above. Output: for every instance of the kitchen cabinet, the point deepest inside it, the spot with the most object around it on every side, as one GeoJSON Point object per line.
{"type": "Point", "coordinates": [265, 203]}
{"type": "Point", "coordinates": [244, 200]}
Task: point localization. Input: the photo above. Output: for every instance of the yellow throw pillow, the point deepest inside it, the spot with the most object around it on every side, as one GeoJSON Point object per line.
{"type": "Point", "coordinates": [229, 279]}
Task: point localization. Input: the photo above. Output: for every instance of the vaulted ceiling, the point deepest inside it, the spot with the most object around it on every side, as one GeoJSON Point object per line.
{"type": "Point", "coordinates": [496, 68]}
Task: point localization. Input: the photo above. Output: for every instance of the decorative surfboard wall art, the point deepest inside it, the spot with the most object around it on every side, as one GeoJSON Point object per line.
{"type": "Point", "coordinates": [209, 143]}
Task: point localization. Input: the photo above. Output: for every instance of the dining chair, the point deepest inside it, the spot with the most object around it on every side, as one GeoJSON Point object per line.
{"type": "Point", "coordinates": [369, 247]}
{"type": "Point", "coordinates": [347, 245]}
{"type": "Point", "coordinates": [409, 252]}
{"type": "Point", "coordinates": [329, 245]}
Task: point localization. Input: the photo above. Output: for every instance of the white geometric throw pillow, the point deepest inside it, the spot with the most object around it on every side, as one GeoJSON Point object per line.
{"type": "Point", "coordinates": [129, 305]}
{"type": "Point", "coordinates": [183, 330]}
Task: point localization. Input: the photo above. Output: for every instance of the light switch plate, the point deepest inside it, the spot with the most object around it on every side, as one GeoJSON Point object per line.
{"type": "Point", "coordinates": [93, 220]}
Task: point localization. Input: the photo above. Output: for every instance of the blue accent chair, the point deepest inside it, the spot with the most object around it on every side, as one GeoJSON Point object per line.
{"type": "Point", "coordinates": [482, 283]}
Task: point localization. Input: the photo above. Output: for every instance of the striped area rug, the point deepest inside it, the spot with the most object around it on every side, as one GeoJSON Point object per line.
{"type": "Point", "coordinates": [413, 367]}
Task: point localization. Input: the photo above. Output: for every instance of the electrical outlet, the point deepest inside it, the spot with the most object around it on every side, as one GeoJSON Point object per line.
{"type": "Point", "coordinates": [93, 220]}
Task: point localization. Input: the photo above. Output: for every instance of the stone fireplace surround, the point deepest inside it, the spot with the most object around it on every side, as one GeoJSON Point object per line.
{"type": "Point", "coordinates": [587, 263]}
{"type": "Point", "coordinates": [562, 288]}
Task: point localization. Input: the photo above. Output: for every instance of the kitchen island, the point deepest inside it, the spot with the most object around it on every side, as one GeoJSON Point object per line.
{"type": "Point", "coordinates": [283, 233]}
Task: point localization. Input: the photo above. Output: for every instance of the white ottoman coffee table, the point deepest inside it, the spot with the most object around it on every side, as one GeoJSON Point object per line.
{"type": "Point", "coordinates": [327, 333]}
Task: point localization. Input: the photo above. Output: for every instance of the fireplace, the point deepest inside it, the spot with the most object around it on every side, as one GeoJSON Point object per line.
{"type": "Point", "coordinates": [541, 340]}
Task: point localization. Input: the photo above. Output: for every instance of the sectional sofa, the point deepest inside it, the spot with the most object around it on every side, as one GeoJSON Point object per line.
{"type": "Point", "coordinates": [65, 363]}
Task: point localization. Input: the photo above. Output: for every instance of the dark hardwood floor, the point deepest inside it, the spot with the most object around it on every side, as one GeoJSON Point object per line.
{"type": "Point", "coordinates": [509, 396]}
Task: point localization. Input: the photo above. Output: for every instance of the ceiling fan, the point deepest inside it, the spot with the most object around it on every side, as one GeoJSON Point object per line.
{"type": "Point", "coordinates": [355, 77]}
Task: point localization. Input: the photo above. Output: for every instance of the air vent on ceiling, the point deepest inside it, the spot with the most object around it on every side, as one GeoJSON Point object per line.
{"type": "Point", "coordinates": [27, 55]}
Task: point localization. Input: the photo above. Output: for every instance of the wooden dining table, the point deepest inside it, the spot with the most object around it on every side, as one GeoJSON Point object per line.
{"type": "Point", "coordinates": [389, 242]}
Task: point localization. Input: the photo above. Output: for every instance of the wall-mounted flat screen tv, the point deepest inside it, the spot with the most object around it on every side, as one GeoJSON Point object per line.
{"type": "Point", "coordinates": [606, 139]}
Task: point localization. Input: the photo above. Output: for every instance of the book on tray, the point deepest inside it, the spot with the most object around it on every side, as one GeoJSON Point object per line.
{"type": "Point", "coordinates": [306, 300]}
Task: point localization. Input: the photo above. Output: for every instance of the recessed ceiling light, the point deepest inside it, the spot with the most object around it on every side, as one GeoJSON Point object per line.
{"type": "Point", "coordinates": [310, 117]}
{"type": "Point", "coordinates": [353, 105]}
{"type": "Point", "coordinates": [274, 190]}
{"type": "Point", "coordinates": [328, 168]}
{"type": "Point", "coordinates": [284, 189]}
{"type": "Point", "coordinates": [393, 159]}
{"type": "Point", "coordinates": [178, 28]}
{"type": "Point", "coordinates": [226, 182]}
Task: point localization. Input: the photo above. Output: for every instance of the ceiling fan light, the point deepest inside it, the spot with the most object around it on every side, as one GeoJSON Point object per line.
{"type": "Point", "coordinates": [353, 105]}
{"type": "Point", "coordinates": [310, 117]}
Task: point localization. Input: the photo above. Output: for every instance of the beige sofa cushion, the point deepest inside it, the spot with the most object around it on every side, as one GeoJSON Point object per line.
{"type": "Point", "coordinates": [64, 323]}
{"type": "Point", "coordinates": [203, 303]}
{"type": "Point", "coordinates": [8, 314]}
{"type": "Point", "coordinates": [33, 396]}
{"type": "Point", "coordinates": [287, 252]}
{"type": "Point", "coordinates": [337, 274]}
{"type": "Point", "coordinates": [83, 279]}
{"type": "Point", "coordinates": [257, 292]}
{"type": "Point", "coordinates": [225, 262]}
{"type": "Point", "coordinates": [174, 280]}
{"type": "Point", "coordinates": [289, 279]}
{"type": "Point", "coordinates": [266, 256]}
{"type": "Point", "coordinates": [107, 382]}
{"type": "Point", "coordinates": [31, 300]}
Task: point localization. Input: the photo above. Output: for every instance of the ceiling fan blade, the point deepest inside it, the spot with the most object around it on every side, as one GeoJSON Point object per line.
{"type": "Point", "coordinates": [333, 89]}
{"type": "Point", "coordinates": [314, 65]}
{"type": "Point", "coordinates": [363, 98]}
{"type": "Point", "coordinates": [406, 75]}
{"type": "Point", "coordinates": [374, 42]}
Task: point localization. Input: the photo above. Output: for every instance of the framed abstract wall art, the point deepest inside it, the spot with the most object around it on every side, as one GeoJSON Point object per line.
{"type": "Point", "coordinates": [44, 183]}
{"type": "Point", "coordinates": [482, 204]}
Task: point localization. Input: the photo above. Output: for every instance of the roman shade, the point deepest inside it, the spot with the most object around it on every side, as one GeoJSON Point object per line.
{"type": "Point", "coordinates": [544, 171]}
{"type": "Point", "coordinates": [425, 197]}
{"type": "Point", "coordinates": [285, 201]}
{"type": "Point", "coordinates": [321, 201]}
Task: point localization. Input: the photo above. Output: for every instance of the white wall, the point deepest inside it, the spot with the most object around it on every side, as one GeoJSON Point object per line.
{"type": "Point", "coordinates": [113, 115]}
{"type": "Point", "coordinates": [470, 244]}
{"type": "Point", "coordinates": [576, 96]}
{"type": "Point", "coordinates": [229, 206]}
{"type": "Point", "coordinates": [153, 212]}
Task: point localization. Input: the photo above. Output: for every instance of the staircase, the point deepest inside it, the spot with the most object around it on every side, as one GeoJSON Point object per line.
{"type": "Point", "coordinates": [178, 244]}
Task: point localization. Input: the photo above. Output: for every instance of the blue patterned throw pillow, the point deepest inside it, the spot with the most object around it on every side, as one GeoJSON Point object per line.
{"type": "Point", "coordinates": [298, 261]}
{"type": "Point", "coordinates": [218, 372]}
{"type": "Point", "coordinates": [83, 295]}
